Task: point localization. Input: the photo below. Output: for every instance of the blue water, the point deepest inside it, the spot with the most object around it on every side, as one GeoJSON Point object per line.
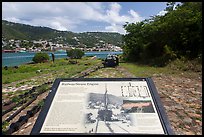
{"type": "Point", "coordinates": [15, 59]}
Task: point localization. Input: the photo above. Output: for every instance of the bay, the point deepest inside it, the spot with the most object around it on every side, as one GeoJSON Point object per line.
{"type": "Point", "coordinates": [16, 59]}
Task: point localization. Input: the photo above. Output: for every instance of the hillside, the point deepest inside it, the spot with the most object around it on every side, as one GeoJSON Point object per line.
{"type": "Point", "coordinates": [19, 31]}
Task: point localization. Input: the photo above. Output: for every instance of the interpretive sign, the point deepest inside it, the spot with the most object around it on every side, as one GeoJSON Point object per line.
{"type": "Point", "coordinates": [102, 106]}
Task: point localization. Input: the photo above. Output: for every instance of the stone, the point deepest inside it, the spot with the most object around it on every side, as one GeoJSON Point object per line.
{"type": "Point", "coordinates": [27, 125]}
{"type": "Point", "coordinates": [198, 122]}
{"type": "Point", "coordinates": [173, 117]}
{"type": "Point", "coordinates": [179, 107]}
{"type": "Point", "coordinates": [187, 120]}
{"type": "Point", "coordinates": [9, 87]}
{"type": "Point", "coordinates": [190, 133]}
{"type": "Point", "coordinates": [186, 126]}
{"type": "Point", "coordinates": [194, 115]}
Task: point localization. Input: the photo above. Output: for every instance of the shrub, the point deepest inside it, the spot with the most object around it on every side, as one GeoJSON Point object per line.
{"type": "Point", "coordinates": [41, 57]}
{"type": "Point", "coordinates": [75, 53]}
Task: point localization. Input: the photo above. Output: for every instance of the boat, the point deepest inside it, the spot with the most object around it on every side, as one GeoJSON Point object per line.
{"type": "Point", "coordinates": [61, 50]}
{"type": "Point", "coordinates": [21, 51]}
{"type": "Point", "coordinates": [8, 51]}
{"type": "Point", "coordinates": [104, 113]}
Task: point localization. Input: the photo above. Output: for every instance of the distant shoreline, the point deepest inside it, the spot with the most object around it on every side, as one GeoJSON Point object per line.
{"type": "Point", "coordinates": [16, 59]}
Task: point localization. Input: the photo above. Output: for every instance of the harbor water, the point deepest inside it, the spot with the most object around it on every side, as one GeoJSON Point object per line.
{"type": "Point", "coordinates": [16, 59]}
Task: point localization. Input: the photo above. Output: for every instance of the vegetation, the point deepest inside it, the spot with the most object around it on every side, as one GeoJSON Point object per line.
{"type": "Point", "coordinates": [19, 31]}
{"type": "Point", "coordinates": [161, 39]}
{"type": "Point", "coordinates": [61, 68]}
{"type": "Point", "coordinates": [175, 68]}
{"type": "Point", "coordinates": [75, 53]}
{"type": "Point", "coordinates": [5, 126]}
{"type": "Point", "coordinates": [41, 57]}
{"type": "Point", "coordinates": [144, 70]}
{"type": "Point", "coordinates": [41, 103]}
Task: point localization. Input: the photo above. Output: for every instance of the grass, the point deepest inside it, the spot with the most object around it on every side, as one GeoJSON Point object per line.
{"type": "Point", "coordinates": [176, 68]}
{"type": "Point", "coordinates": [5, 125]}
{"type": "Point", "coordinates": [41, 103]}
{"type": "Point", "coordinates": [42, 88]}
{"type": "Point", "coordinates": [186, 65]}
{"type": "Point", "coordinates": [27, 74]}
{"type": "Point", "coordinates": [146, 71]}
{"type": "Point", "coordinates": [64, 69]}
{"type": "Point", "coordinates": [61, 67]}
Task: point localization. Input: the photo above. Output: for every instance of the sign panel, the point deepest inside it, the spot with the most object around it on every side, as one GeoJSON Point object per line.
{"type": "Point", "coordinates": [102, 106]}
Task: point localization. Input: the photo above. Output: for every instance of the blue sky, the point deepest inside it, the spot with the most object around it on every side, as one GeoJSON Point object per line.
{"type": "Point", "coordinates": [81, 16]}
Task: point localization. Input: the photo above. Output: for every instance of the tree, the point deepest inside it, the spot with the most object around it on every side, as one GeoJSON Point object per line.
{"type": "Point", "coordinates": [75, 53]}
{"type": "Point", "coordinates": [40, 57]}
{"type": "Point", "coordinates": [159, 39]}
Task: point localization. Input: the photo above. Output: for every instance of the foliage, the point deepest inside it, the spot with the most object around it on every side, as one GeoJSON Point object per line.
{"type": "Point", "coordinates": [41, 57]}
{"type": "Point", "coordinates": [15, 99]}
{"type": "Point", "coordinates": [162, 39]}
{"type": "Point", "coordinates": [75, 53]}
{"type": "Point", "coordinates": [140, 70]}
{"type": "Point", "coordinates": [19, 31]}
{"type": "Point", "coordinates": [5, 125]}
{"type": "Point", "coordinates": [25, 72]}
{"type": "Point", "coordinates": [41, 103]}
{"type": "Point", "coordinates": [185, 65]}
{"type": "Point", "coordinates": [42, 88]}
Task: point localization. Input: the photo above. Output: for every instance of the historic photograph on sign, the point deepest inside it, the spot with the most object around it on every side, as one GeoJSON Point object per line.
{"type": "Point", "coordinates": [104, 107]}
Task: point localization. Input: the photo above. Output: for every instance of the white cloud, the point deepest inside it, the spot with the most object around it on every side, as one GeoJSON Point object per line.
{"type": "Point", "coordinates": [117, 21]}
{"type": "Point", "coordinates": [115, 28]}
{"type": "Point", "coordinates": [58, 26]}
{"type": "Point", "coordinates": [69, 15]}
{"type": "Point", "coordinates": [12, 19]}
{"type": "Point", "coordinates": [162, 13]}
{"type": "Point", "coordinates": [135, 15]}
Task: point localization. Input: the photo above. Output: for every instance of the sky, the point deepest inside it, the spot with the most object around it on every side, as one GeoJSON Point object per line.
{"type": "Point", "coordinates": [81, 16]}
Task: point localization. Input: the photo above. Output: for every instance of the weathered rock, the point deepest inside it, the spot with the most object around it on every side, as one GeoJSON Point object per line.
{"type": "Point", "coordinates": [198, 122]}
{"type": "Point", "coordinates": [190, 133]}
{"type": "Point", "coordinates": [194, 115]}
{"type": "Point", "coordinates": [173, 117]}
{"type": "Point", "coordinates": [187, 120]}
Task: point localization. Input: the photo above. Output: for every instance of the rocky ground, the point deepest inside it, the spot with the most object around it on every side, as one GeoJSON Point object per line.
{"type": "Point", "coordinates": [181, 96]}
{"type": "Point", "coordinates": [182, 99]}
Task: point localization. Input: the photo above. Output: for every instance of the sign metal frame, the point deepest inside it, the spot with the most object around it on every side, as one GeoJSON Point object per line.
{"type": "Point", "coordinates": [155, 96]}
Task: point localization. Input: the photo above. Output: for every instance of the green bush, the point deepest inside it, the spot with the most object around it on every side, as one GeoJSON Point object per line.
{"type": "Point", "coordinates": [185, 65]}
{"type": "Point", "coordinates": [75, 53]}
{"type": "Point", "coordinates": [41, 57]}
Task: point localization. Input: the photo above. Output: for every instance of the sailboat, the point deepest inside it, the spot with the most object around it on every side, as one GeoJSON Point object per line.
{"type": "Point", "coordinates": [105, 114]}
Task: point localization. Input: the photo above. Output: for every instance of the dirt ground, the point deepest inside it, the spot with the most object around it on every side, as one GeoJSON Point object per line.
{"type": "Point", "coordinates": [180, 95]}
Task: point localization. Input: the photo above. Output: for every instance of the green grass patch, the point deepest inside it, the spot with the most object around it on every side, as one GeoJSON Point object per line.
{"type": "Point", "coordinates": [42, 88]}
{"type": "Point", "coordinates": [59, 67]}
{"type": "Point", "coordinates": [41, 103]}
{"type": "Point", "coordinates": [146, 71]}
{"type": "Point", "coordinates": [186, 65]}
{"type": "Point", "coordinates": [5, 125]}
{"type": "Point", "coordinates": [16, 99]}
{"type": "Point", "coordinates": [175, 68]}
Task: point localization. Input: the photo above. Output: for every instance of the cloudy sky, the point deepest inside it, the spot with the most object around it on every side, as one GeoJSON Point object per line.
{"type": "Point", "coordinates": [81, 16]}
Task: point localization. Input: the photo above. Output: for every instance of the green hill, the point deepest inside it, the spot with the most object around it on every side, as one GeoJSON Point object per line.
{"type": "Point", "coordinates": [19, 31]}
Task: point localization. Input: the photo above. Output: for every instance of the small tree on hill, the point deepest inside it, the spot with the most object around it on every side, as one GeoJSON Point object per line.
{"type": "Point", "coordinates": [41, 57]}
{"type": "Point", "coordinates": [75, 53]}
